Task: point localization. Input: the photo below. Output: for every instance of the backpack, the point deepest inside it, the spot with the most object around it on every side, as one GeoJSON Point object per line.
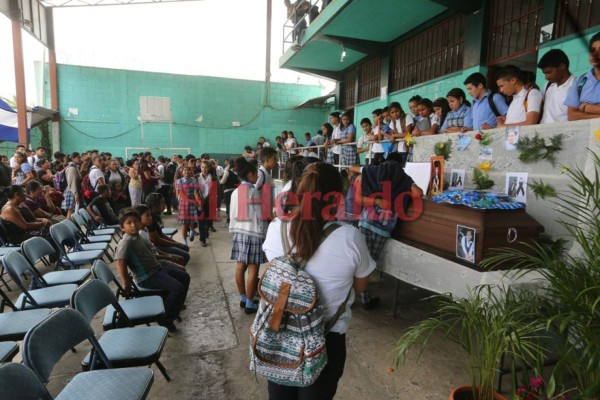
{"type": "Point", "coordinates": [287, 338]}
{"type": "Point", "coordinates": [60, 180]}
{"type": "Point", "coordinates": [88, 192]}
{"type": "Point", "coordinates": [232, 181]}
{"type": "Point", "coordinates": [169, 176]}
{"type": "Point", "coordinates": [492, 105]}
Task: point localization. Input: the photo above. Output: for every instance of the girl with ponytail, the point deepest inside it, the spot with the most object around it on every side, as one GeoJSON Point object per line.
{"type": "Point", "coordinates": [338, 264]}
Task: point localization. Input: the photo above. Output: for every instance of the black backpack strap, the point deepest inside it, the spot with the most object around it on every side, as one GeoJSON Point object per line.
{"type": "Point", "coordinates": [580, 84]}
{"type": "Point", "coordinates": [490, 99]}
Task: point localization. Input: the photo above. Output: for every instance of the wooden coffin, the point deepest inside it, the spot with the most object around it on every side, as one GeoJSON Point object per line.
{"type": "Point", "coordinates": [436, 230]}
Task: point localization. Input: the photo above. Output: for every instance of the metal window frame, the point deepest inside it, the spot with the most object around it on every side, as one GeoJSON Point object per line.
{"type": "Point", "coordinates": [582, 11]}
{"type": "Point", "coordinates": [433, 53]}
{"type": "Point", "coordinates": [514, 29]}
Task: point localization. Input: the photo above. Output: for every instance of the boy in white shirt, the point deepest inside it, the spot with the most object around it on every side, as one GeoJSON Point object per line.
{"type": "Point", "coordinates": [526, 104]}
{"type": "Point", "coordinates": [555, 66]}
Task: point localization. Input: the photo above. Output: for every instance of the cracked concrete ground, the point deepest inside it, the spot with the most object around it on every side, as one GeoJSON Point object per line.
{"type": "Point", "coordinates": [207, 358]}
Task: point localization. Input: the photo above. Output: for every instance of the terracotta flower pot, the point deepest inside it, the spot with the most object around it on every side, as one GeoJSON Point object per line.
{"type": "Point", "coordinates": [466, 393]}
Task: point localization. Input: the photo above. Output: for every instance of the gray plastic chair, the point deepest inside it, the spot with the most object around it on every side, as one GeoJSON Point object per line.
{"type": "Point", "coordinates": [80, 243]}
{"type": "Point", "coordinates": [102, 271]}
{"type": "Point", "coordinates": [8, 351]}
{"type": "Point", "coordinates": [125, 347]}
{"type": "Point", "coordinates": [48, 341]}
{"type": "Point", "coordinates": [140, 310]}
{"type": "Point", "coordinates": [91, 224]}
{"type": "Point", "coordinates": [89, 235]}
{"type": "Point", "coordinates": [38, 248]}
{"type": "Point", "coordinates": [63, 237]}
{"type": "Point", "coordinates": [45, 297]}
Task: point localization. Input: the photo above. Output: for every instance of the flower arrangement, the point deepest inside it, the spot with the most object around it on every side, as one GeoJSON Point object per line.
{"type": "Point", "coordinates": [481, 178]}
{"type": "Point", "coordinates": [542, 190]}
{"type": "Point", "coordinates": [538, 390]}
{"type": "Point", "coordinates": [409, 140]}
{"type": "Point", "coordinates": [533, 149]}
{"type": "Point", "coordinates": [484, 138]}
{"type": "Point", "coordinates": [443, 149]}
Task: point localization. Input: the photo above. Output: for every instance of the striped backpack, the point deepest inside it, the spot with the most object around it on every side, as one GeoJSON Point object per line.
{"type": "Point", "coordinates": [287, 338]}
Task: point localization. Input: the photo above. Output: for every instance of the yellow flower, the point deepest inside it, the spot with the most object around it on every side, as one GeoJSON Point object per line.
{"type": "Point", "coordinates": [442, 144]}
{"type": "Point", "coordinates": [485, 166]}
{"type": "Point", "coordinates": [408, 139]}
{"type": "Point", "coordinates": [597, 136]}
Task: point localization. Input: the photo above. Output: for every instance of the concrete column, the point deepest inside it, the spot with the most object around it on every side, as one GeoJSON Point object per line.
{"type": "Point", "coordinates": [15, 14]}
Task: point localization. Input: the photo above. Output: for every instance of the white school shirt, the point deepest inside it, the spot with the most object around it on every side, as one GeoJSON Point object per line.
{"type": "Point", "coordinates": [343, 256]}
{"type": "Point", "coordinates": [95, 174]}
{"type": "Point", "coordinates": [398, 127]}
{"type": "Point", "coordinates": [554, 108]}
{"type": "Point", "coordinates": [204, 185]}
{"type": "Point", "coordinates": [516, 111]}
{"type": "Point", "coordinates": [377, 147]}
{"type": "Point", "coordinates": [336, 134]}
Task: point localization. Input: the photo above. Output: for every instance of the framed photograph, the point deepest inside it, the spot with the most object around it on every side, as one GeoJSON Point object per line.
{"type": "Point", "coordinates": [463, 141]}
{"type": "Point", "coordinates": [511, 138]}
{"type": "Point", "coordinates": [457, 179]}
{"type": "Point", "coordinates": [436, 180]}
{"type": "Point", "coordinates": [486, 154]}
{"type": "Point", "coordinates": [465, 243]}
{"type": "Point", "coordinates": [516, 186]}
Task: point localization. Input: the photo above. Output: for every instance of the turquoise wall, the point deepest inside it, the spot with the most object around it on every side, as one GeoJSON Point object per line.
{"type": "Point", "coordinates": [107, 103]}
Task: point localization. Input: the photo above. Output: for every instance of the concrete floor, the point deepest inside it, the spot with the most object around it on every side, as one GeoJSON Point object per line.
{"type": "Point", "coordinates": [207, 357]}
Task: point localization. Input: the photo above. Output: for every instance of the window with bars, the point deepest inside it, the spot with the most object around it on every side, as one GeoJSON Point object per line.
{"type": "Point", "coordinates": [585, 13]}
{"type": "Point", "coordinates": [349, 89]}
{"type": "Point", "coordinates": [514, 29]}
{"type": "Point", "coordinates": [436, 52]}
{"type": "Point", "coordinates": [369, 80]}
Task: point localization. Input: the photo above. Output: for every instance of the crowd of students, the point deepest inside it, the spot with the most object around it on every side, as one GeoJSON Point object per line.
{"type": "Point", "coordinates": [519, 102]}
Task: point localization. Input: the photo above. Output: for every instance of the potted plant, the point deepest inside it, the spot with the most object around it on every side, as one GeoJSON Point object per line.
{"type": "Point", "coordinates": [572, 297]}
{"type": "Point", "coordinates": [489, 323]}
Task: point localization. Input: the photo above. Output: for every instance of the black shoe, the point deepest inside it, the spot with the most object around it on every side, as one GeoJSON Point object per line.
{"type": "Point", "coordinates": [168, 213]}
{"type": "Point", "coordinates": [250, 310]}
{"type": "Point", "coordinates": [212, 229]}
{"type": "Point", "coordinates": [373, 303]}
{"type": "Point", "coordinates": [243, 303]}
{"type": "Point", "coordinates": [170, 326]}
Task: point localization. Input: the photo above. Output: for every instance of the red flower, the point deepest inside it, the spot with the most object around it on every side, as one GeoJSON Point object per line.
{"type": "Point", "coordinates": [478, 136]}
{"type": "Point", "coordinates": [521, 391]}
{"type": "Point", "coordinates": [536, 382]}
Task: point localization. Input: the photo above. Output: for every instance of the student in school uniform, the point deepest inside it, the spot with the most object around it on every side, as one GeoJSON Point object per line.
{"type": "Point", "coordinates": [583, 99]}
{"type": "Point", "coordinates": [429, 122]}
{"type": "Point", "coordinates": [486, 106]}
{"type": "Point", "coordinates": [526, 103]}
{"type": "Point", "coordinates": [555, 66]}
{"type": "Point", "coordinates": [459, 119]}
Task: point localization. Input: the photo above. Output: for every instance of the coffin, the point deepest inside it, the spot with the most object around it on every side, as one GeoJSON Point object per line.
{"type": "Point", "coordinates": [441, 227]}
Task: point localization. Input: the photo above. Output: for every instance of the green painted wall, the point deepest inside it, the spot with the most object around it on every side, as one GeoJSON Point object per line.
{"type": "Point", "coordinates": [107, 103]}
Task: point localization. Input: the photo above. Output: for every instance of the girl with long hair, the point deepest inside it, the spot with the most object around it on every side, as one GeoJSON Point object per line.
{"type": "Point", "coordinates": [340, 265]}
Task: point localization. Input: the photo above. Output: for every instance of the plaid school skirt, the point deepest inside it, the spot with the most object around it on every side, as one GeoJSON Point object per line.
{"type": "Point", "coordinates": [248, 249]}
{"type": "Point", "coordinates": [69, 201]}
{"type": "Point", "coordinates": [187, 212]}
{"type": "Point", "coordinates": [374, 241]}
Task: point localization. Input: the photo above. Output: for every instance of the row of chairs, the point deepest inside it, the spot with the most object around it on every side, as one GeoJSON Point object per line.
{"type": "Point", "coordinates": [79, 243]}
{"type": "Point", "coordinates": [122, 346]}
